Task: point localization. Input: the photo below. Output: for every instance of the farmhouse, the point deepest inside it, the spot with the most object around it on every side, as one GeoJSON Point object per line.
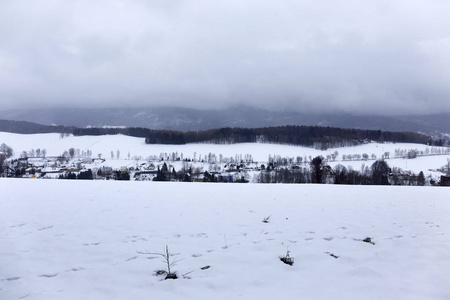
{"type": "Point", "coordinates": [445, 180]}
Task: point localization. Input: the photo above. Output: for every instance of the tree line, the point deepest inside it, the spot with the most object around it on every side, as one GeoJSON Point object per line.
{"type": "Point", "coordinates": [310, 136]}
{"type": "Point", "coordinates": [379, 173]}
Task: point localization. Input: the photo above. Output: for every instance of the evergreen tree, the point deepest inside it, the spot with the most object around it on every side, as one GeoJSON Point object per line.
{"type": "Point", "coordinates": [317, 169]}
{"type": "Point", "coordinates": [380, 172]}
{"type": "Point", "coordinates": [421, 179]}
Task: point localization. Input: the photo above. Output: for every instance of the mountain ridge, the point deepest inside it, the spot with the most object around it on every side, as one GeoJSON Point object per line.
{"type": "Point", "coordinates": [184, 119]}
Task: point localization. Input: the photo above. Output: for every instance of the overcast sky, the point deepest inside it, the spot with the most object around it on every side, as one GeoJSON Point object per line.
{"type": "Point", "coordinates": [359, 56]}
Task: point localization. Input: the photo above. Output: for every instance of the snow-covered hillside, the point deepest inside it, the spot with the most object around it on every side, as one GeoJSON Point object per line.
{"type": "Point", "coordinates": [136, 147]}
{"type": "Point", "coordinates": [79, 240]}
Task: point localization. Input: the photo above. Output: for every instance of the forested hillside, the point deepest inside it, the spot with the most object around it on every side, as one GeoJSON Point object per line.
{"type": "Point", "coordinates": [24, 127]}
{"type": "Point", "coordinates": [311, 136]}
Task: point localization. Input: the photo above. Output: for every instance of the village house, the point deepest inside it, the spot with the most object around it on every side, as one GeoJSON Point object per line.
{"type": "Point", "coordinates": [445, 180]}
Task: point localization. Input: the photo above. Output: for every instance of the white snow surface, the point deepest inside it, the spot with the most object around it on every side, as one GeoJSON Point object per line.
{"type": "Point", "coordinates": [64, 239]}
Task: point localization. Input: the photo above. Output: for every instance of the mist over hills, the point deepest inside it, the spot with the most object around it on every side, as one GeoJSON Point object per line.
{"type": "Point", "coordinates": [184, 119]}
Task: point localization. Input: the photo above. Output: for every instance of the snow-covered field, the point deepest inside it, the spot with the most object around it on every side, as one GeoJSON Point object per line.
{"type": "Point", "coordinates": [136, 147]}
{"type": "Point", "coordinates": [79, 240]}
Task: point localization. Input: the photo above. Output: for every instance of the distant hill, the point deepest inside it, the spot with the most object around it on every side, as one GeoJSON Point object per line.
{"type": "Point", "coordinates": [312, 136]}
{"type": "Point", "coordinates": [24, 127]}
{"type": "Point", "coordinates": [182, 119]}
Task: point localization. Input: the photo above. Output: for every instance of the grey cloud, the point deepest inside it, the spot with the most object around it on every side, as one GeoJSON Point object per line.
{"type": "Point", "coordinates": [385, 57]}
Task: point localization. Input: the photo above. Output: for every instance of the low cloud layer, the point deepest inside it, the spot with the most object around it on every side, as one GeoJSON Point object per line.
{"type": "Point", "coordinates": [367, 57]}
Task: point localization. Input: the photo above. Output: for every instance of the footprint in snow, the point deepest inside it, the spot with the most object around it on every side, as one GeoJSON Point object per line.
{"type": "Point", "coordinates": [309, 239]}
{"type": "Point", "coordinates": [48, 275]}
{"type": "Point", "coordinates": [132, 238]}
{"type": "Point", "coordinates": [44, 228]}
{"type": "Point", "coordinates": [75, 269]}
{"type": "Point", "coordinates": [196, 255]}
{"type": "Point", "coordinates": [91, 244]}
{"type": "Point", "coordinates": [11, 279]}
{"type": "Point", "coordinates": [19, 225]}
{"type": "Point", "coordinates": [131, 258]}
{"type": "Point", "coordinates": [328, 238]}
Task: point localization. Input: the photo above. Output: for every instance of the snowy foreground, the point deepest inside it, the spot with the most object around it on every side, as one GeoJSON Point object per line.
{"type": "Point", "coordinates": [79, 240]}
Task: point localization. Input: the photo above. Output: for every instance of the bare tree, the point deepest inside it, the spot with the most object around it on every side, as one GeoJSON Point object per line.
{"type": "Point", "coordinates": [6, 150]}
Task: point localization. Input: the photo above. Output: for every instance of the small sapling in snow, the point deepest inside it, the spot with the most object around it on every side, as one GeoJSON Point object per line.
{"type": "Point", "coordinates": [226, 245]}
{"type": "Point", "coordinates": [287, 259]}
{"type": "Point", "coordinates": [266, 219]}
{"type": "Point", "coordinates": [168, 261]}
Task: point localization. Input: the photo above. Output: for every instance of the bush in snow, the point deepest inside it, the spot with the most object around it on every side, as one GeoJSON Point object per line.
{"type": "Point", "coordinates": [287, 259]}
